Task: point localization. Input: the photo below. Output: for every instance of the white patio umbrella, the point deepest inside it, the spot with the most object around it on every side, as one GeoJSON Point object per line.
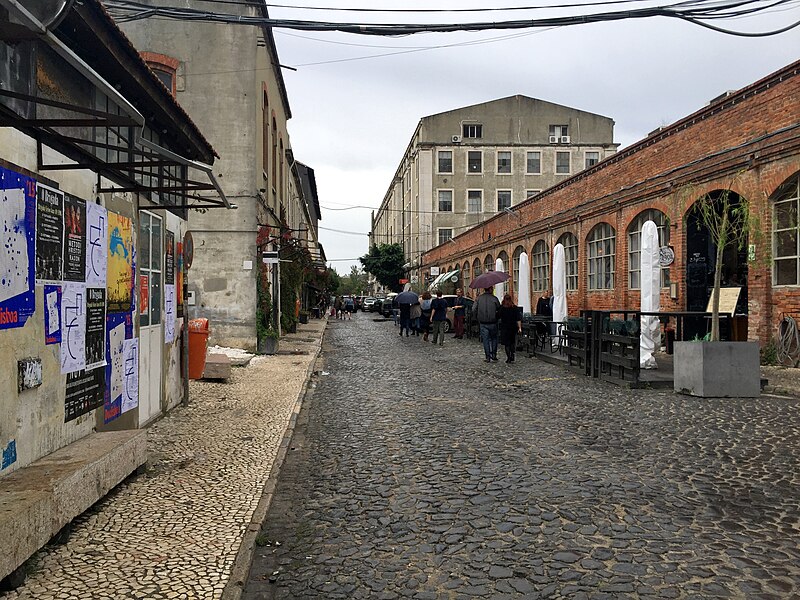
{"type": "Point", "coordinates": [524, 299]}
{"type": "Point", "coordinates": [500, 290]}
{"type": "Point", "coordinates": [650, 336]}
{"type": "Point", "coordinates": [559, 288]}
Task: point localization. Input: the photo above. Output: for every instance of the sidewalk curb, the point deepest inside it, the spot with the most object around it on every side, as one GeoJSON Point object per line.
{"type": "Point", "coordinates": [244, 557]}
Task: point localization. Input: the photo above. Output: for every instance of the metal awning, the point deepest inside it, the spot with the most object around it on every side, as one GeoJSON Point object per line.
{"type": "Point", "coordinates": [132, 164]}
{"type": "Point", "coordinates": [442, 278]}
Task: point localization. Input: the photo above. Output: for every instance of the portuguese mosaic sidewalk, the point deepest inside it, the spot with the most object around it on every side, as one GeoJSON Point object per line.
{"type": "Point", "coordinates": [175, 531]}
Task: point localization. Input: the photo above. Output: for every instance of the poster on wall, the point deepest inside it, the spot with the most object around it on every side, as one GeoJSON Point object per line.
{"type": "Point", "coordinates": [169, 313]}
{"type": "Point", "coordinates": [179, 279]}
{"type": "Point", "coordinates": [130, 374]}
{"type": "Point", "coordinates": [17, 239]}
{"type": "Point", "coordinates": [120, 263]}
{"type": "Point", "coordinates": [73, 327]}
{"type": "Point", "coordinates": [74, 238]}
{"type": "Point", "coordinates": [95, 327]}
{"type": "Point", "coordinates": [96, 245]}
{"type": "Point", "coordinates": [169, 258]}
{"type": "Point", "coordinates": [52, 314]}
{"type": "Point", "coordinates": [49, 234]}
{"type": "Point", "coordinates": [85, 392]}
{"type": "Point", "coordinates": [116, 332]}
{"type": "Point", "coordinates": [144, 294]}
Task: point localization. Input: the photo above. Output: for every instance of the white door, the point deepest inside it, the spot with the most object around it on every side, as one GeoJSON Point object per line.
{"type": "Point", "coordinates": [151, 334]}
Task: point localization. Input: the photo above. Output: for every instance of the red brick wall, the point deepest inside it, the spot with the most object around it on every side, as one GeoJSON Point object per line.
{"type": "Point", "coordinates": [748, 142]}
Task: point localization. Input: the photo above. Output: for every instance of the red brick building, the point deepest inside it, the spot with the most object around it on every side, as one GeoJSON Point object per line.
{"type": "Point", "coordinates": [747, 142]}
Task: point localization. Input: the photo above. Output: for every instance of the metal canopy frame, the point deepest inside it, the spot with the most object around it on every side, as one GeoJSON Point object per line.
{"type": "Point", "coordinates": [143, 156]}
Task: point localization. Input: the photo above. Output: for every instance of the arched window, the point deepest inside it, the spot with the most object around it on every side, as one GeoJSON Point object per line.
{"type": "Point", "coordinates": [540, 267]}
{"type": "Point", "coordinates": [465, 279]}
{"type": "Point", "coordinates": [635, 245]}
{"type": "Point", "coordinates": [601, 249]}
{"type": "Point", "coordinates": [165, 68]}
{"type": "Point", "coordinates": [476, 268]}
{"type": "Point", "coordinates": [570, 243]}
{"type": "Point", "coordinates": [488, 263]}
{"type": "Point", "coordinates": [515, 269]}
{"type": "Point", "coordinates": [786, 234]}
{"type": "Point", "coordinates": [280, 171]}
{"type": "Point", "coordinates": [503, 257]}
{"type": "Point", "coordinates": [274, 153]}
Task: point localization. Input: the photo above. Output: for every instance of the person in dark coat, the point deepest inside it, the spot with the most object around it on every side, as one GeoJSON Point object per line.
{"type": "Point", "coordinates": [405, 318]}
{"type": "Point", "coordinates": [510, 326]}
{"type": "Point", "coordinates": [425, 319]}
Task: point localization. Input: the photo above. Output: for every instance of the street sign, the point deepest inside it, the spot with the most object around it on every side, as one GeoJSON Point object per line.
{"type": "Point", "coordinates": [270, 258]}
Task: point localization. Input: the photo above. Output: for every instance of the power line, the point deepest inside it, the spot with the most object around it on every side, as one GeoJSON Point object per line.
{"type": "Point", "coordinates": [696, 12]}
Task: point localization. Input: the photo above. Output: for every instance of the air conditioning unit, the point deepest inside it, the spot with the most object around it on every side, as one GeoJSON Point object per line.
{"type": "Point", "coordinates": [565, 139]}
{"type": "Point", "coordinates": [456, 139]}
{"type": "Point", "coordinates": [553, 139]}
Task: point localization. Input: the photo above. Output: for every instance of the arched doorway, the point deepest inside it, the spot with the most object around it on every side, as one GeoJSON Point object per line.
{"type": "Point", "coordinates": [701, 259]}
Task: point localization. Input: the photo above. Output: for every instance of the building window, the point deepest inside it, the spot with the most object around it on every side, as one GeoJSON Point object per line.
{"type": "Point", "coordinates": [591, 158]}
{"type": "Point", "coordinates": [559, 131]}
{"type": "Point", "coordinates": [488, 263]}
{"type": "Point", "coordinates": [531, 193]}
{"type": "Point", "coordinates": [635, 246]}
{"type": "Point", "coordinates": [472, 130]}
{"type": "Point", "coordinates": [540, 265]}
{"type": "Point", "coordinates": [474, 161]}
{"type": "Point", "coordinates": [503, 199]}
{"type": "Point", "coordinates": [504, 162]}
{"type": "Point", "coordinates": [534, 163]}
{"type": "Point", "coordinates": [476, 267]}
{"type": "Point", "coordinates": [570, 243]}
{"type": "Point", "coordinates": [786, 234]}
{"type": "Point", "coordinates": [601, 250]}
{"type": "Point", "coordinates": [465, 274]}
{"type": "Point", "coordinates": [445, 235]}
{"type": "Point", "coordinates": [445, 161]}
{"type": "Point", "coordinates": [562, 163]}
{"type": "Point", "coordinates": [515, 271]}
{"type": "Point", "coordinates": [445, 200]}
{"type": "Point", "coordinates": [265, 134]}
{"type": "Point", "coordinates": [474, 201]}
{"type": "Point", "coordinates": [164, 67]}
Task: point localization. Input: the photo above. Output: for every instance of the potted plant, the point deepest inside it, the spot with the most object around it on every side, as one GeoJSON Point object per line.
{"type": "Point", "coordinates": [712, 368]}
{"type": "Point", "coordinates": [268, 341]}
{"type": "Point", "coordinates": [303, 316]}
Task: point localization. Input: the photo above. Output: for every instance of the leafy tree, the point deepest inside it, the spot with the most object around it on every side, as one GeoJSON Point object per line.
{"type": "Point", "coordinates": [385, 262]}
{"type": "Point", "coordinates": [354, 282]}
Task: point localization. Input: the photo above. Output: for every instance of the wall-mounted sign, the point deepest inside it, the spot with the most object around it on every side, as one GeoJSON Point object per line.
{"type": "Point", "coordinates": [666, 256]}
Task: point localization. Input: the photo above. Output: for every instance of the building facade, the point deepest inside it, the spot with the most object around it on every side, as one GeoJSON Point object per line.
{"type": "Point", "coordinates": [228, 78]}
{"type": "Point", "coordinates": [463, 166]}
{"type": "Point", "coordinates": [745, 144]}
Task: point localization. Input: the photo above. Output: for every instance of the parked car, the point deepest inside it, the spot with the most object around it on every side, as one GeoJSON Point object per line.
{"type": "Point", "coordinates": [367, 303]}
{"type": "Point", "coordinates": [387, 309]}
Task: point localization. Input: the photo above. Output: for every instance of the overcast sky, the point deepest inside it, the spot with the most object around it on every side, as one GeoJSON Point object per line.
{"type": "Point", "coordinates": [352, 119]}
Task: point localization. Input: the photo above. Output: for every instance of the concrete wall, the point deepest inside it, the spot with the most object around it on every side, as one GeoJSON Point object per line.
{"type": "Point", "coordinates": [222, 76]}
{"type": "Point", "coordinates": [32, 421]}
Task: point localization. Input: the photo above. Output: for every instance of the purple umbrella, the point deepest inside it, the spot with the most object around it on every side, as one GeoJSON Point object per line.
{"type": "Point", "coordinates": [488, 279]}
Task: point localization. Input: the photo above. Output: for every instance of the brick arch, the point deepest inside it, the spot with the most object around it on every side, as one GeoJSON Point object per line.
{"type": "Point", "coordinates": [165, 63]}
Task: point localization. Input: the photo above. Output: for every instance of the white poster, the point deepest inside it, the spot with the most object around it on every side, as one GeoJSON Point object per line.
{"type": "Point", "coordinates": [51, 306]}
{"type": "Point", "coordinates": [130, 374]}
{"type": "Point", "coordinates": [169, 313]}
{"type": "Point", "coordinates": [73, 327]}
{"type": "Point", "coordinates": [116, 341]}
{"type": "Point", "coordinates": [14, 257]}
{"type": "Point", "coordinates": [96, 245]}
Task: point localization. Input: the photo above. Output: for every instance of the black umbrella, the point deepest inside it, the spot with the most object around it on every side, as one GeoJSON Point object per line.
{"type": "Point", "coordinates": [407, 298]}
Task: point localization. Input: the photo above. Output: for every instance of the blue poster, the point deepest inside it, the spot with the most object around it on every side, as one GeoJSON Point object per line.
{"type": "Point", "coordinates": [18, 256]}
{"type": "Point", "coordinates": [119, 327]}
{"type": "Point", "coordinates": [52, 314]}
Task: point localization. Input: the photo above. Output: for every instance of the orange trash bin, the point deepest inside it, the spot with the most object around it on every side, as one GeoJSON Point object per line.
{"type": "Point", "coordinates": [198, 342]}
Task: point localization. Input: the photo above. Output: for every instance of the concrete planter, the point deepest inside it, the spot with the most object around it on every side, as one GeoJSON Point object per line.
{"type": "Point", "coordinates": [717, 369]}
{"type": "Point", "coordinates": [268, 345]}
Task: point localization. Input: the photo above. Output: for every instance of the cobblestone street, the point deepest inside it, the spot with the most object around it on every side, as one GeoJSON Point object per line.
{"type": "Point", "coordinates": [423, 472]}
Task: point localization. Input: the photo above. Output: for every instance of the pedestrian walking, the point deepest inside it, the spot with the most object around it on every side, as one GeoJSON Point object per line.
{"type": "Point", "coordinates": [485, 311]}
{"type": "Point", "coordinates": [438, 318]}
{"type": "Point", "coordinates": [337, 306]}
{"type": "Point", "coordinates": [405, 318]}
{"type": "Point", "coordinates": [425, 318]}
{"type": "Point", "coordinates": [510, 326]}
{"type": "Point", "coordinates": [459, 314]}
{"type": "Point", "coordinates": [349, 307]}
{"type": "Point", "coordinates": [415, 314]}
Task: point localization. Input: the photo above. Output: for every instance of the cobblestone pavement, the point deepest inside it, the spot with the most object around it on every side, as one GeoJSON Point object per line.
{"type": "Point", "coordinates": [175, 531]}
{"type": "Point", "coordinates": [423, 472]}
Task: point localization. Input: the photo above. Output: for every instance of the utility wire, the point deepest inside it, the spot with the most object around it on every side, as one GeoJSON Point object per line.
{"type": "Point", "coordinates": [696, 12]}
